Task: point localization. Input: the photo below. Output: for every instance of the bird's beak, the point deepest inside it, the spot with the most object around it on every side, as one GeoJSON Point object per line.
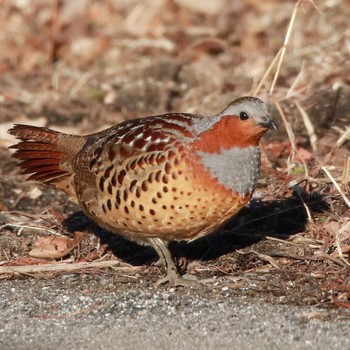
{"type": "Point", "coordinates": [268, 123]}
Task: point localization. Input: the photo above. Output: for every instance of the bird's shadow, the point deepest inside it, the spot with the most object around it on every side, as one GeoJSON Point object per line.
{"type": "Point", "coordinates": [281, 218]}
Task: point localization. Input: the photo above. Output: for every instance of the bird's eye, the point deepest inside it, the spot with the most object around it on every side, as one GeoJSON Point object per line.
{"type": "Point", "coordinates": [243, 116]}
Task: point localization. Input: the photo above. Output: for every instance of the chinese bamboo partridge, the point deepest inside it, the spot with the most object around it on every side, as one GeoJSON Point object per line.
{"type": "Point", "coordinates": [169, 177]}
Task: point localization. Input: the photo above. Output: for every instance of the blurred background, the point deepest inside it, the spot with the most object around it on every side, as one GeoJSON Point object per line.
{"type": "Point", "coordinates": [70, 62]}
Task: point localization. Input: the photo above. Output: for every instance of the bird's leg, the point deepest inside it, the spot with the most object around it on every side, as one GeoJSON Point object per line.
{"type": "Point", "coordinates": [173, 276]}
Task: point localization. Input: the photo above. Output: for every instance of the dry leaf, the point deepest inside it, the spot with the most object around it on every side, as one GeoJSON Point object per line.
{"type": "Point", "coordinates": [53, 247]}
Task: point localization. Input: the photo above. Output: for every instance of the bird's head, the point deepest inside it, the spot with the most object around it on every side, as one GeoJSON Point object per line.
{"type": "Point", "coordinates": [249, 113]}
{"type": "Point", "coordinates": [240, 124]}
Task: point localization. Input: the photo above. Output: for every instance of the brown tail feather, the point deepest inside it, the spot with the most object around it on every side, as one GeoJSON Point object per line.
{"type": "Point", "coordinates": [46, 154]}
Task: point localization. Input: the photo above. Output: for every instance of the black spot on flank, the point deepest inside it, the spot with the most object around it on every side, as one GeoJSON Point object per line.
{"type": "Point", "coordinates": [152, 159]}
{"type": "Point", "coordinates": [141, 161]}
{"type": "Point", "coordinates": [139, 222]}
{"type": "Point", "coordinates": [174, 189]}
{"type": "Point", "coordinates": [174, 176]}
{"type": "Point", "coordinates": [132, 185]}
{"type": "Point", "coordinates": [179, 172]}
{"type": "Point", "coordinates": [165, 179]}
{"type": "Point", "coordinates": [172, 206]}
{"type": "Point", "coordinates": [111, 154]}
{"type": "Point", "coordinates": [121, 176]}
{"type": "Point", "coordinates": [159, 195]}
{"type": "Point", "coordinates": [154, 200]}
{"type": "Point", "coordinates": [109, 188]}
{"type": "Point", "coordinates": [151, 177]}
{"type": "Point", "coordinates": [126, 209]}
{"type": "Point", "coordinates": [158, 175]}
{"type": "Point", "coordinates": [167, 168]}
{"type": "Point", "coordinates": [160, 158]}
{"type": "Point", "coordinates": [118, 198]}
{"type": "Point", "coordinates": [176, 162]}
{"type": "Point", "coordinates": [141, 207]}
{"type": "Point", "coordinates": [144, 186]}
{"type": "Point", "coordinates": [171, 155]}
{"type": "Point", "coordinates": [104, 208]}
{"type": "Point", "coordinates": [101, 183]}
{"type": "Point", "coordinates": [125, 224]}
{"type": "Point", "coordinates": [114, 180]}
{"type": "Point", "coordinates": [132, 204]}
{"type": "Point", "coordinates": [109, 204]}
{"type": "Point", "coordinates": [126, 193]}
{"type": "Point", "coordinates": [92, 163]}
{"type": "Point", "coordinates": [176, 198]}
{"type": "Point", "coordinates": [164, 207]}
{"type": "Point", "coordinates": [138, 192]}
{"type": "Point", "coordinates": [165, 189]}
{"type": "Point", "coordinates": [152, 212]}
{"type": "Point", "coordinates": [98, 151]}
{"type": "Point", "coordinates": [133, 164]}
{"type": "Point", "coordinates": [108, 171]}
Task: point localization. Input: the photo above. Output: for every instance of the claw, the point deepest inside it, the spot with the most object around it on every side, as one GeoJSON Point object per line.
{"type": "Point", "coordinates": [176, 280]}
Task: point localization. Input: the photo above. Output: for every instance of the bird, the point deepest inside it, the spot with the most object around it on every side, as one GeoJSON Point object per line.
{"type": "Point", "coordinates": [156, 179]}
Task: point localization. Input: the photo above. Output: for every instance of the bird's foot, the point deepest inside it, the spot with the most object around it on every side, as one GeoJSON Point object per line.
{"type": "Point", "coordinates": [175, 279]}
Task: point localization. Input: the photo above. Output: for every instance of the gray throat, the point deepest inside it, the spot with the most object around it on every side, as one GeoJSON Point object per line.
{"type": "Point", "coordinates": [237, 168]}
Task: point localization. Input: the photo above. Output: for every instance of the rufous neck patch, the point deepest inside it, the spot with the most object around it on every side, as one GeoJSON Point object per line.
{"type": "Point", "coordinates": [229, 132]}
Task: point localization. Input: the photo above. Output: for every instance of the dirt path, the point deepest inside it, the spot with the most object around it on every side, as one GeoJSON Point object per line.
{"type": "Point", "coordinates": [89, 312]}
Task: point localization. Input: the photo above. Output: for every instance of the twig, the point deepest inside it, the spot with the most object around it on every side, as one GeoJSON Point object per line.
{"type": "Point", "coordinates": [347, 201]}
{"type": "Point", "coordinates": [264, 257]}
{"type": "Point", "coordinates": [23, 227]}
{"type": "Point", "coordinates": [331, 258]}
{"type": "Point", "coordinates": [267, 258]}
{"type": "Point", "coordinates": [80, 83]}
{"type": "Point", "coordinates": [291, 91]}
{"type": "Point", "coordinates": [308, 125]}
{"type": "Point", "coordinates": [291, 140]}
{"type": "Point", "coordinates": [338, 240]}
{"type": "Point", "coordinates": [284, 241]}
{"type": "Point", "coordinates": [267, 72]}
{"type": "Point", "coordinates": [285, 45]}
{"type": "Point", "coordinates": [345, 136]}
{"type": "Point", "coordinates": [346, 171]}
{"type": "Point", "coordinates": [299, 192]}
{"type": "Point", "coordinates": [64, 267]}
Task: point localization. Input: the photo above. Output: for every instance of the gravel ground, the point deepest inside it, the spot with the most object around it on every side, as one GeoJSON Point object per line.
{"type": "Point", "coordinates": [90, 312]}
